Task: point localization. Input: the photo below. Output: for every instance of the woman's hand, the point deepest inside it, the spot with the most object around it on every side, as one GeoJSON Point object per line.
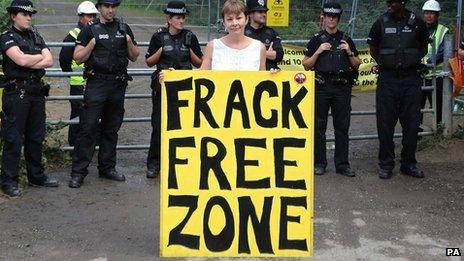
{"type": "Point", "coordinates": [161, 75]}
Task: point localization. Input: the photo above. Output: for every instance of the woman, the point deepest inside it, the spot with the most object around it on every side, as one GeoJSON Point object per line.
{"type": "Point", "coordinates": [25, 57]}
{"type": "Point", "coordinates": [235, 51]}
{"type": "Point", "coordinates": [171, 47]}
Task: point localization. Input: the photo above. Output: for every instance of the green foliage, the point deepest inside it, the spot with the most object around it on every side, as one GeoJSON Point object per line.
{"type": "Point", "coordinates": [434, 141]}
{"type": "Point", "coordinates": [3, 14]}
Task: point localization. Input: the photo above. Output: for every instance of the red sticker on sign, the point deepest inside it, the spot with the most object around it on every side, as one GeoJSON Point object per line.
{"type": "Point", "coordinates": [300, 78]}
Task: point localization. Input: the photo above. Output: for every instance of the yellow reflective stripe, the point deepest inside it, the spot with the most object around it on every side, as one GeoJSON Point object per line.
{"type": "Point", "coordinates": [438, 37]}
{"type": "Point", "coordinates": [75, 32]}
{"type": "Point", "coordinates": [76, 80]}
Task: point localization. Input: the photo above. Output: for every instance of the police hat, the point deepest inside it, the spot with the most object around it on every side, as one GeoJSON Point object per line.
{"type": "Point", "coordinates": [256, 5]}
{"type": "Point", "coordinates": [176, 8]}
{"type": "Point", "coordinates": [108, 2]}
{"type": "Point", "coordinates": [21, 6]}
{"type": "Point", "coordinates": [332, 8]}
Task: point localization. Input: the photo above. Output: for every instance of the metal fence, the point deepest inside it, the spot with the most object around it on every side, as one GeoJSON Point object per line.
{"type": "Point", "coordinates": [447, 97]}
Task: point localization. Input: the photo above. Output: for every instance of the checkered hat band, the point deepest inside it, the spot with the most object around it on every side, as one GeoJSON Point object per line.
{"type": "Point", "coordinates": [26, 8]}
{"type": "Point", "coordinates": [332, 10]}
{"type": "Point", "coordinates": [176, 10]}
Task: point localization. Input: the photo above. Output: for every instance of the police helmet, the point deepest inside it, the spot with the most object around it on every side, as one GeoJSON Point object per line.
{"type": "Point", "coordinates": [256, 5]}
{"type": "Point", "coordinates": [17, 6]}
{"type": "Point", "coordinates": [332, 8]}
{"type": "Point", "coordinates": [176, 7]}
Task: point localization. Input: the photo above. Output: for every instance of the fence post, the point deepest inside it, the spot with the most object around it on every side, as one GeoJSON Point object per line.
{"type": "Point", "coordinates": [447, 111]}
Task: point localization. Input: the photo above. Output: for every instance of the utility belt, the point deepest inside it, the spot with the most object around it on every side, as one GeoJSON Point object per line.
{"type": "Point", "coordinates": [31, 86]}
{"type": "Point", "coordinates": [402, 72]}
{"type": "Point", "coordinates": [335, 79]}
{"type": "Point", "coordinates": [123, 77]}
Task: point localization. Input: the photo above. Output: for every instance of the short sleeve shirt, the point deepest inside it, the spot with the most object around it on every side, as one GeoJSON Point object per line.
{"type": "Point", "coordinates": [156, 42]}
{"type": "Point", "coordinates": [86, 34]}
{"type": "Point", "coordinates": [314, 43]}
{"type": "Point", "coordinates": [375, 34]}
{"type": "Point", "coordinates": [28, 42]}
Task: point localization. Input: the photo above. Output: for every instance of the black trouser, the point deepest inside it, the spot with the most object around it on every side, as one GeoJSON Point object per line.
{"type": "Point", "coordinates": [23, 121]}
{"type": "Point", "coordinates": [103, 99]}
{"type": "Point", "coordinates": [337, 98]}
{"type": "Point", "coordinates": [398, 96]}
{"type": "Point", "coordinates": [427, 95]}
{"type": "Point", "coordinates": [153, 158]}
{"type": "Point", "coordinates": [76, 107]}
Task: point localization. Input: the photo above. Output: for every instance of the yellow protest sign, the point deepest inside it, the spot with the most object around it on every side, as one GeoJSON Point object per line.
{"type": "Point", "coordinates": [237, 164]}
{"type": "Point", "coordinates": [367, 81]}
{"type": "Point", "coordinates": [278, 13]}
{"type": "Point", "coordinates": [293, 57]}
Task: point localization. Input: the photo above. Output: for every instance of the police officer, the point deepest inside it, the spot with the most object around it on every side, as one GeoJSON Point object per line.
{"type": "Point", "coordinates": [437, 32]}
{"type": "Point", "coordinates": [105, 47]}
{"type": "Point", "coordinates": [334, 58]}
{"type": "Point", "coordinates": [86, 12]}
{"type": "Point", "coordinates": [258, 30]}
{"type": "Point", "coordinates": [171, 47]}
{"type": "Point", "coordinates": [25, 55]}
{"type": "Point", "coordinates": [398, 41]}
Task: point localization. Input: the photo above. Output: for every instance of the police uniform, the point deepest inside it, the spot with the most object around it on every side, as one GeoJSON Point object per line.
{"type": "Point", "coordinates": [23, 107]}
{"type": "Point", "coordinates": [335, 78]}
{"type": "Point", "coordinates": [106, 73]}
{"type": "Point", "coordinates": [437, 32]}
{"type": "Point", "coordinates": [401, 44]}
{"type": "Point", "coordinates": [76, 82]}
{"type": "Point", "coordinates": [175, 54]}
{"type": "Point", "coordinates": [267, 35]}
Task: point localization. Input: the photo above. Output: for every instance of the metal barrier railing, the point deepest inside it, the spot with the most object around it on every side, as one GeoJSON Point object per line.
{"type": "Point", "coordinates": [56, 72]}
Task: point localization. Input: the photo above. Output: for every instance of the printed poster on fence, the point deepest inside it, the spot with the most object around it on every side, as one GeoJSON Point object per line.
{"type": "Point", "coordinates": [278, 13]}
{"type": "Point", "coordinates": [237, 164]}
{"type": "Point", "coordinates": [367, 81]}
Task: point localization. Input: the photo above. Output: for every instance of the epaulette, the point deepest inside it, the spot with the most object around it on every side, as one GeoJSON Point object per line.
{"type": "Point", "coordinates": [7, 31]}
{"type": "Point", "coordinates": [162, 30]}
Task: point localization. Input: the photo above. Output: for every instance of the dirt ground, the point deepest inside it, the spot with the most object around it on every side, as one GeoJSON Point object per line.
{"type": "Point", "coordinates": [361, 218]}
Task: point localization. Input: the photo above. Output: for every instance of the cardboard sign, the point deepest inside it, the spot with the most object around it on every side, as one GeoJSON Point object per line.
{"type": "Point", "coordinates": [237, 164]}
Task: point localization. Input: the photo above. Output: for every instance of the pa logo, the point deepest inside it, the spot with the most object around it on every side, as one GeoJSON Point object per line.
{"type": "Point", "coordinates": [453, 252]}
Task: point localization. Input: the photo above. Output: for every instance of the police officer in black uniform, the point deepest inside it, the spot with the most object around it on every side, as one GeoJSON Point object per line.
{"type": "Point", "coordinates": [258, 30]}
{"type": "Point", "coordinates": [171, 47]}
{"type": "Point", "coordinates": [87, 12]}
{"type": "Point", "coordinates": [105, 47]}
{"type": "Point", "coordinates": [334, 58]}
{"type": "Point", "coordinates": [25, 55]}
{"type": "Point", "coordinates": [398, 41]}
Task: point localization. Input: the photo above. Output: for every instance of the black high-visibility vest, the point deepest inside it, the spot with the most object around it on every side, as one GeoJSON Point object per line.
{"type": "Point", "coordinates": [110, 52]}
{"type": "Point", "coordinates": [176, 50]}
{"type": "Point", "coordinates": [399, 48]}
{"type": "Point", "coordinates": [333, 61]}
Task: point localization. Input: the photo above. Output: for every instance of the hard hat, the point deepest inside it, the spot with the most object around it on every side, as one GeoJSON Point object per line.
{"type": "Point", "coordinates": [87, 7]}
{"type": "Point", "coordinates": [431, 5]}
